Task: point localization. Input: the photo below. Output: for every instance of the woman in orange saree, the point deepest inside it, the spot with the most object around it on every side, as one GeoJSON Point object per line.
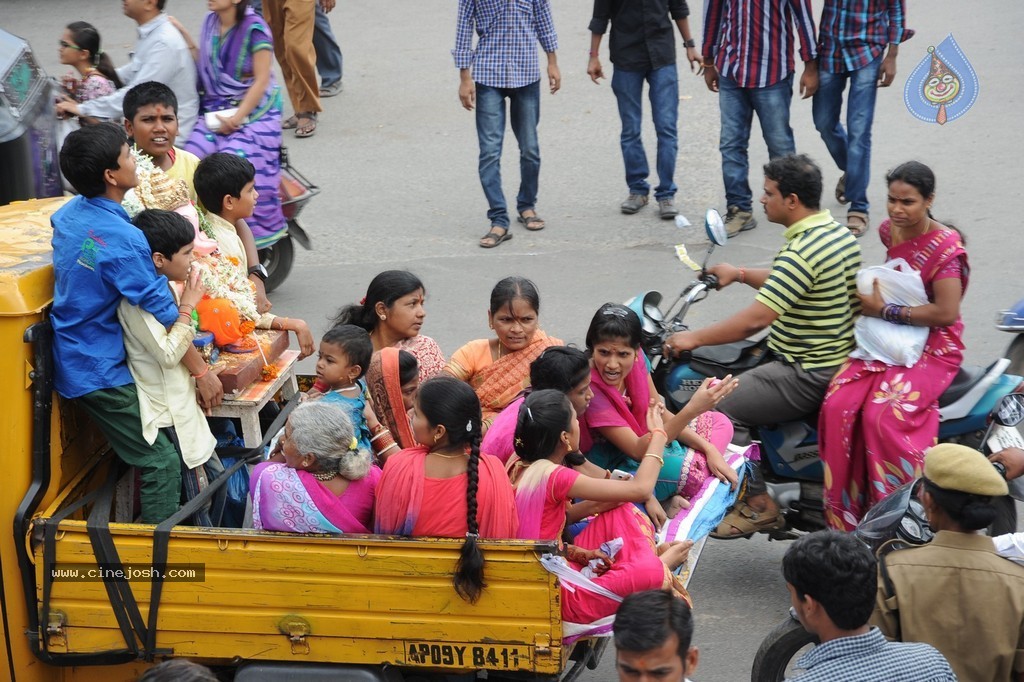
{"type": "Point", "coordinates": [499, 369]}
{"type": "Point", "coordinates": [392, 380]}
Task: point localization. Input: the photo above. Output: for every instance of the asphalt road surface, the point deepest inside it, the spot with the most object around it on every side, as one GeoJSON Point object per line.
{"type": "Point", "coordinates": [395, 156]}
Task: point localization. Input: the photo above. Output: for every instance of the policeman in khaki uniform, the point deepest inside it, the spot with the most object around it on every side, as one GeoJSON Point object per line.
{"type": "Point", "coordinates": [956, 593]}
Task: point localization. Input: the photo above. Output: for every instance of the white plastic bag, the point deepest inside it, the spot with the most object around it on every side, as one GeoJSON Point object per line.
{"type": "Point", "coordinates": [893, 344]}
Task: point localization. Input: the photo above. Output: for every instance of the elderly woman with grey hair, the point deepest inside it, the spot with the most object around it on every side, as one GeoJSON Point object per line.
{"type": "Point", "coordinates": [319, 481]}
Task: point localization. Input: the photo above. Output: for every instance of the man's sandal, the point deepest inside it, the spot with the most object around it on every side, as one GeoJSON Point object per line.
{"type": "Point", "coordinates": [744, 519]}
{"type": "Point", "coordinates": [494, 237]}
{"type": "Point", "coordinates": [857, 223]}
{"type": "Point", "coordinates": [290, 123]}
{"type": "Point", "coordinates": [307, 124]}
{"type": "Point", "coordinates": [841, 190]}
{"type": "Point", "coordinates": [533, 223]}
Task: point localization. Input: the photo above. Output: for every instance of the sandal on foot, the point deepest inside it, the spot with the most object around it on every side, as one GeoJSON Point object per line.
{"type": "Point", "coordinates": [290, 123]}
{"type": "Point", "coordinates": [533, 223]}
{"type": "Point", "coordinates": [841, 190]}
{"type": "Point", "coordinates": [747, 521]}
{"type": "Point", "coordinates": [494, 237]}
{"type": "Point", "coordinates": [309, 127]}
{"type": "Point", "coordinates": [857, 223]}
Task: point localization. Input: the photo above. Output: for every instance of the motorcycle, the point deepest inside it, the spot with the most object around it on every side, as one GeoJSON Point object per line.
{"type": "Point", "coordinates": [899, 520]}
{"type": "Point", "coordinates": [277, 252]}
{"type": "Point", "coordinates": [790, 459]}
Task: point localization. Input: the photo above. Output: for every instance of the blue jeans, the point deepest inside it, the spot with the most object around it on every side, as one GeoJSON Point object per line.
{"type": "Point", "coordinates": [850, 148]}
{"type": "Point", "coordinates": [737, 106]}
{"type": "Point", "coordinates": [524, 112]}
{"type": "Point", "coordinates": [663, 91]}
{"type": "Point", "coordinates": [328, 52]}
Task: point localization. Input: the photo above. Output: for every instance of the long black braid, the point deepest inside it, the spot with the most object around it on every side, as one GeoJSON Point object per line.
{"type": "Point", "coordinates": [452, 403]}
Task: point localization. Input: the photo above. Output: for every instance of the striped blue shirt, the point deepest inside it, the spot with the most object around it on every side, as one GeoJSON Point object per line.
{"type": "Point", "coordinates": [870, 658]}
{"type": "Point", "coordinates": [508, 31]}
{"type": "Point", "coordinates": [854, 32]}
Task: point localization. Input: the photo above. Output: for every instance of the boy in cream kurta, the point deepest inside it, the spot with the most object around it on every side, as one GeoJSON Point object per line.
{"type": "Point", "coordinates": [167, 392]}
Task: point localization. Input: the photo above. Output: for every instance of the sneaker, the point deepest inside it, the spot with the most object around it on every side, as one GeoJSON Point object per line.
{"type": "Point", "coordinates": [667, 209]}
{"type": "Point", "coordinates": [330, 90]}
{"type": "Point", "coordinates": [737, 221]}
{"type": "Point", "coordinates": [633, 203]}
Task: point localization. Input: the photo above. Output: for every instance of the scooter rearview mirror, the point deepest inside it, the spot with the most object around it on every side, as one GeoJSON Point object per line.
{"type": "Point", "coordinates": [1011, 410]}
{"type": "Point", "coordinates": [715, 228]}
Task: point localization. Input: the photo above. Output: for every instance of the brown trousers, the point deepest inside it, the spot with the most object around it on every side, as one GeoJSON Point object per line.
{"type": "Point", "coordinates": [291, 23]}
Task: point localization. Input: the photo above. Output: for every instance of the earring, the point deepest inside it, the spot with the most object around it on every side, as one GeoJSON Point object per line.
{"type": "Point", "coordinates": [383, 317]}
{"type": "Point", "coordinates": [437, 437]}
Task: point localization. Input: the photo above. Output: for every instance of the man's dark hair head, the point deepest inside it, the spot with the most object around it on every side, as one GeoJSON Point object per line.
{"type": "Point", "coordinates": [220, 175]}
{"type": "Point", "coordinates": [89, 152]}
{"type": "Point", "coordinates": [646, 620]}
{"type": "Point", "coordinates": [144, 94]}
{"type": "Point", "coordinates": [166, 231]}
{"type": "Point", "coordinates": [836, 570]}
{"type": "Point", "coordinates": [797, 174]}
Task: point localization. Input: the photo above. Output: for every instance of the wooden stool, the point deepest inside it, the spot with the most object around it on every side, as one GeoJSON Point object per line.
{"type": "Point", "coordinates": [246, 405]}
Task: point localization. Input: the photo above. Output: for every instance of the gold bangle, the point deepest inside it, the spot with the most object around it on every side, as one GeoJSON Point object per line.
{"type": "Point", "coordinates": [657, 457]}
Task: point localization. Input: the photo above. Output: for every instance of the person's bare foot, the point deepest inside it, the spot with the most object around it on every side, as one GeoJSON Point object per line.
{"type": "Point", "coordinates": [674, 554]}
{"type": "Point", "coordinates": [674, 505]}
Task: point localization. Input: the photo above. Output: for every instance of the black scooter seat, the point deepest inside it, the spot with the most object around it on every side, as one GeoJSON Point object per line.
{"type": "Point", "coordinates": [963, 382]}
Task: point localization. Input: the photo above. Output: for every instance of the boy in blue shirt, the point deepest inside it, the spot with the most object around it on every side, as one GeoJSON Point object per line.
{"type": "Point", "coordinates": [98, 258]}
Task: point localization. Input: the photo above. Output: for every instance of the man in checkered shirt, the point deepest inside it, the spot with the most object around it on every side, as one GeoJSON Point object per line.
{"type": "Point", "coordinates": [504, 66]}
{"type": "Point", "coordinates": [833, 580]}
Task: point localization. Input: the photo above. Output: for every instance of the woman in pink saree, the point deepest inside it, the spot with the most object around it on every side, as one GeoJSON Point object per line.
{"type": "Point", "coordinates": [319, 482]}
{"type": "Point", "coordinates": [877, 420]}
{"type": "Point", "coordinates": [547, 437]}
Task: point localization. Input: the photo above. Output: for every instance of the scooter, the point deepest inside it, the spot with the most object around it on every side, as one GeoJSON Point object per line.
{"type": "Point", "coordinates": [790, 459]}
{"type": "Point", "coordinates": [1012, 321]}
{"type": "Point", "coordinates": [898, 521]}
{"type": "Point", "coordinates": [277, 252]}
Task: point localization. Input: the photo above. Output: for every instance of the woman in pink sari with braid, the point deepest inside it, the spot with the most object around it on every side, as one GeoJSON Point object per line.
{"type": "Point", "coordinates": [499, 369]}
{"type": "Point", "coordinates": [877, 420]}
{"type": "Point", "coordinates": [547, 438]}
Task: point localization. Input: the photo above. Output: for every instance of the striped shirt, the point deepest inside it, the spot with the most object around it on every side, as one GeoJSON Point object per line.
{"type": "Point", "coordinates": [871, 658]}
{"type": "Point", "coordinates": [751, 41]}
{"type": "Point", "coordinates": [506, 51]}
{"type": "Point", "coordinates": [813, 288]}
{"type": "Point", "coordinates": [853, 33]}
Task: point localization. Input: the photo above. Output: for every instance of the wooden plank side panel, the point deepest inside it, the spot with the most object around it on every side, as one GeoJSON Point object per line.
{"type": "Point", "coordinates": [365, 599]}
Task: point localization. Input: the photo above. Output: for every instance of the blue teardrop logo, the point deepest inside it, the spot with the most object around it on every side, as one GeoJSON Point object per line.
{"type": "Point", "coordinates": [943, 86]}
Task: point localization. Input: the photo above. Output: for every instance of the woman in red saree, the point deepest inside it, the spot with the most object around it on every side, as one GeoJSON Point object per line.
{"type": "Point", "coordinates": [443, 486]}
{"type": "Point", "coordinates": [877, 420]}
{"type": "Point", "coordinates": [499, 369]}
{"type": "Point", "coordinates": [547, 436]}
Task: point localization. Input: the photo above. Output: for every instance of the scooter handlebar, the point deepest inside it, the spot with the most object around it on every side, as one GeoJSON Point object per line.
{"type": "Point", "coordinates": [710, 280]}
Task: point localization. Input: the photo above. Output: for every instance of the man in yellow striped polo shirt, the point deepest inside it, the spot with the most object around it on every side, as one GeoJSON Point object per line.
{"type": "Point", "coordinates": [807, 300]}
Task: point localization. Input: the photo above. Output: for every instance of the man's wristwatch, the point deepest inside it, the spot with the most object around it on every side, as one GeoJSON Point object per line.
{"type": "Point", "coordinates": [259, 271]}
{"type": "Point", "coordinates": [689, 43]}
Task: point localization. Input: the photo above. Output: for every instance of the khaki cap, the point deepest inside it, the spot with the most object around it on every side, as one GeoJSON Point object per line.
{"type": "Point", "coordinates": [963, 469]}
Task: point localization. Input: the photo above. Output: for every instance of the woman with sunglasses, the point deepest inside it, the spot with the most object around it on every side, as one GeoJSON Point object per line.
{"type": "Point", "coordinates": [94, 75]}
